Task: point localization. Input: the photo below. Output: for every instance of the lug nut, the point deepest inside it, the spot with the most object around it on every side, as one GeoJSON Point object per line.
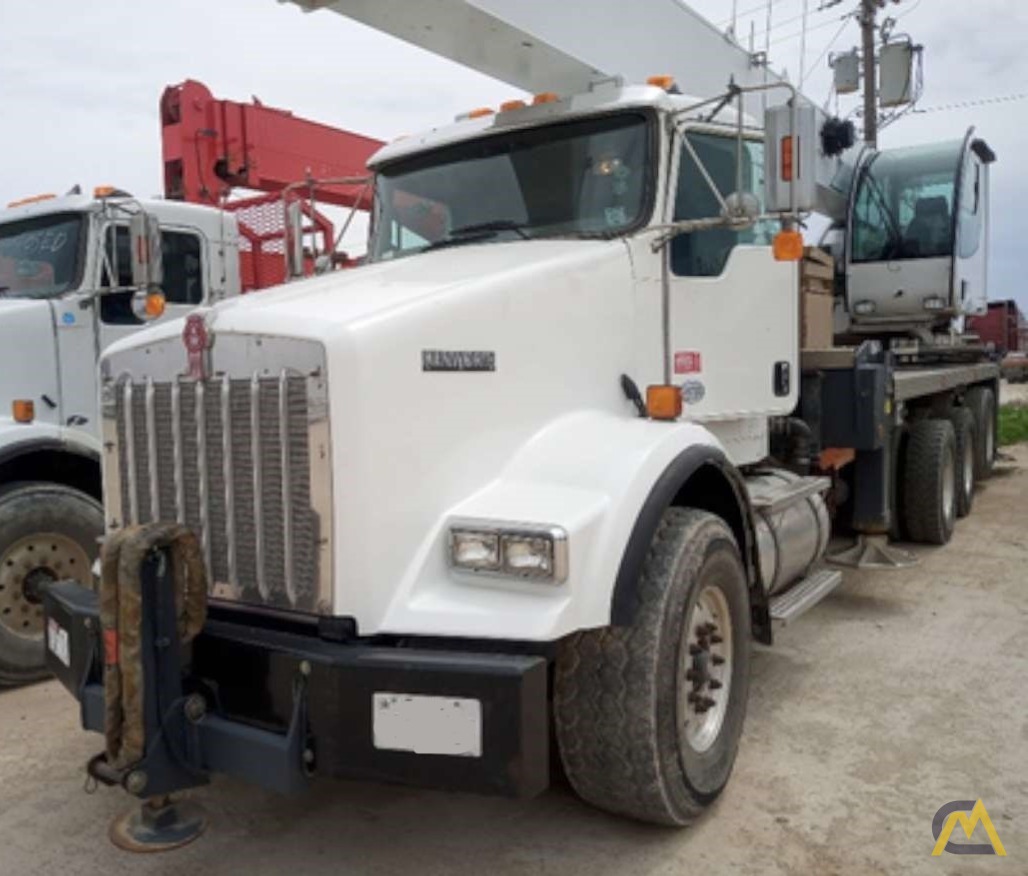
{"type": "Point", "coordinates": [714, 684]}
{"type": "Point", "coordinates": [135, 782]}
{"type": "Point", "coordinates": [716, 640]}
{"type": "Point", "coordinates": [717, 659]}
{"type": "Point", "coordinates": [195, 708]}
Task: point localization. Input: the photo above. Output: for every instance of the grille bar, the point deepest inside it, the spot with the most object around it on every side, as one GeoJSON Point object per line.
{"type": "Point", "coordinates": [130, 455]}
{"type": "Point", "coordinates": [258, 483]}
{"type": "Point", "coordinates": [151, 450]}
{"type": "Point", "coordinates": [203, 484]}
{"type": "Point", "coordinates": [176, 438]}
{"type": "Point", "coordinates": [228, 472]}
{"type": "Point", "coordinates": [287, 487]}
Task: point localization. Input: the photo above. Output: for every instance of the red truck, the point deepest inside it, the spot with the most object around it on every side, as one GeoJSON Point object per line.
{"type": "Point", "coordinates": [1003, 326]}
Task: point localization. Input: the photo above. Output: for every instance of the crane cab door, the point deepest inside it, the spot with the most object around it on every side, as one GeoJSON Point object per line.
{"type": "Point", "coordinates": [970, 263]}
{"type": "Point", "coordinates": [734, 310]}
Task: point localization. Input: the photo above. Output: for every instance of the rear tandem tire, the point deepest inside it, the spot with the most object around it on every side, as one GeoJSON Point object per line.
{"type": "Point", "coordinates": [930, 482]}
{"type": "Point", "coordinates": [48, 532]}
{"type": "Point", "coordinates": [981, 402]}
{"type": "Point", "coordinates": [648, 716]}
{"type": "Point", "coordinates": [963, 428]}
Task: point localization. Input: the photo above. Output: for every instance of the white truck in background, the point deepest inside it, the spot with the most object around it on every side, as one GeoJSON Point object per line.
{"type": "Point", "coordinates": [554, 457]}
{"type": "Point", "coordinates": [67, 292]}
{"type": "Point", "coordinates": [70, 286]}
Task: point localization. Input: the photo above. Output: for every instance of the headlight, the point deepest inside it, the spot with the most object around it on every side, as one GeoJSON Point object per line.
{"type": "Point", "coordinates": [539, 553]}
{"type": "Point", "coordinates": [934, 303]}
{"type": "Point", "coordinates": [864, 308]}
{"type": "Point", "coordinates": [477, 551]}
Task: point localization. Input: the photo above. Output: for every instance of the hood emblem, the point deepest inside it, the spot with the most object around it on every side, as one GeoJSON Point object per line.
{"type": "Point", "coordinates": [198, 341]}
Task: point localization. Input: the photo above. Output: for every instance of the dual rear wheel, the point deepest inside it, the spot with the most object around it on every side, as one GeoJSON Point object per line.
{"type": "Point", "coordinates": [944, 459]}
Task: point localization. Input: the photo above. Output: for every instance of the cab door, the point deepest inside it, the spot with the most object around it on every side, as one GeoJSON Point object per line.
{"type": "Point", "coordinates": [184, 284]}
{"type": "Point", "coordinates": [734, 316]}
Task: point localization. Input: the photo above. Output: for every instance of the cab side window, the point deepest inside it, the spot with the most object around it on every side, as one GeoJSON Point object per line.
{"type": "Point", "coordinates": [183, 273]}
{"type": "Point", "coordinates": [705, 253]}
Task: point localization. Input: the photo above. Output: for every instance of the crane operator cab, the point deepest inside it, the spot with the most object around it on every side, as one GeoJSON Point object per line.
{"type": "Point", "coordinates": [915, 253]}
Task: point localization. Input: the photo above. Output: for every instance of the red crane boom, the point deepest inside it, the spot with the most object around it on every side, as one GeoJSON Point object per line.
{"type": "Point", "coordinates": [212, 146]}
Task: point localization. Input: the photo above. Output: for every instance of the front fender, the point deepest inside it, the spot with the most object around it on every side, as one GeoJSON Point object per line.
{"type": "Point", "coordinates": [591, 473]}
{"type": "Point", "coordinates": [17, 439]}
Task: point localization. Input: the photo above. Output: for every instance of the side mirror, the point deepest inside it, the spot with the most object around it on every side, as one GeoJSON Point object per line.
{"type": "Point", "coordinates": [147, 262]}
{"type": "Point", "coordinates": [294, 239]}
{"type": "Point", "coordinates": [147, 266]}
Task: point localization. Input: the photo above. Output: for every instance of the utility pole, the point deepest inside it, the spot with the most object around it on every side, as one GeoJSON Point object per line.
{"type": "Point", "coordinates": [868, 12]}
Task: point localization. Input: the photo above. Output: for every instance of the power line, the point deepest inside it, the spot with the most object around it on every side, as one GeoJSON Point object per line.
{"type": "Point", "coordinates": [827, 49]}
{"type": "Point", "coordinates": [820, 26]}
{"type": "Point", "coordinates": [982, 101]}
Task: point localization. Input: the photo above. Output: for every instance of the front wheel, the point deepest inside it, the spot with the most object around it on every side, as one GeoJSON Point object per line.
{"type": "Point", "coordinates": [48, 532]}
{"type": "Point", "coordinates": [649, 716]}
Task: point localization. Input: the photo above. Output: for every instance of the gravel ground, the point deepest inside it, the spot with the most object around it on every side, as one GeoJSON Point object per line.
{"type": "Point", "coordinates": [903, 691]}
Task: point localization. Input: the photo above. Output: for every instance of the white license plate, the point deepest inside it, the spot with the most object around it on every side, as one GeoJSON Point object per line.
{"type": "Point", "coordinates": [57, 641]}
{"type": "Point", "coordinates": [427, 725]}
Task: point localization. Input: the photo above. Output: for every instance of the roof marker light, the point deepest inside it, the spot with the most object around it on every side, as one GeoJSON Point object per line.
{"type": "Point", "coordinates": [509, 105]}
{"type": "Point", "coordinates": [35, 199]}
{"type": "Point", "coordinates": [545, 97]}
{"type": "Point", "coordinates": [481, 112]}
{"type": "Point", "coordinates": [664, 81]}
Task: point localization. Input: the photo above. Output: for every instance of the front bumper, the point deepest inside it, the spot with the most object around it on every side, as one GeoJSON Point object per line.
{"type": "Point", "coordinates": [275, 707]}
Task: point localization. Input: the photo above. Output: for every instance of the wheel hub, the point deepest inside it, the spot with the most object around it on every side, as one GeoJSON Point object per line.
{"type": "Point", "coordinates": [706, 670]}
{"type": "Point", "coordinates": [26, 568]}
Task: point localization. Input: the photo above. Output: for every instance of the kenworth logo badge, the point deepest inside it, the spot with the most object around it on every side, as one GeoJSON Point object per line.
{"type": "Point", "coordinates": [458, 360]}
{"type": "Point", "coordinates": [198, 342]}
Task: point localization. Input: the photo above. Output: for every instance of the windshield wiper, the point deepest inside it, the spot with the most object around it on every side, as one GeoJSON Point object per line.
{"type": "Point", "coordinates": [492, 225]}
{"type": "Point", "coordinates": [477, 232]}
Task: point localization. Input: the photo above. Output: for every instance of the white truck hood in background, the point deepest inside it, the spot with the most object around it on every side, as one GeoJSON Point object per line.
{"type": "Point", "coordinates": [28, 357]}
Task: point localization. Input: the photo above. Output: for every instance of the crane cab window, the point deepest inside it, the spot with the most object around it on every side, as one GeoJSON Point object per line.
{"type": "Point", "coordinates": [183, 273]}
{"type": "Point", "coordinates": [905, 204]}
{"type": "Point", "coordinates": [705, 253]}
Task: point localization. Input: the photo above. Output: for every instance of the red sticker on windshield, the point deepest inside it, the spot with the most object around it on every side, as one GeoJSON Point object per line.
{"type": "Point", "coordinates": [688, 362]}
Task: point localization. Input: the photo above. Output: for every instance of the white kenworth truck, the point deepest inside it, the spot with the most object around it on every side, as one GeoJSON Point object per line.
{"type": "Point", "coordinates": [545, 466]}
{"type": "Point", "coordinates": [67, 292]}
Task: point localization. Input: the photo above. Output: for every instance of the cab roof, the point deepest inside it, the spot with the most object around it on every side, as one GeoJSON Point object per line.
{"type": "Point", "coordinates": [607, 96]}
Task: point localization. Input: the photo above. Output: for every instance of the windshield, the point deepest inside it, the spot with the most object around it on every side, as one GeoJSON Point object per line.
{"type": "Point", "coordinates": [904, 205]}
{"type": "Point", "coordinates": [41, 257]}
{"type": "Point", "coordinates": [584, 178]}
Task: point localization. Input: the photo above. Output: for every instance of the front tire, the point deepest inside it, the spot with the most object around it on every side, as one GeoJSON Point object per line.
{"type": "Point", "coordinates": [48, 532]}
{"type": "Point", "coordinates": [649, 716]}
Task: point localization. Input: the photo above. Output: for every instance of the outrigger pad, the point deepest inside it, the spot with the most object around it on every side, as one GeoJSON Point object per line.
{"type": "Point", "coordinates": [873, 552]}
{"type": "Point", "coordinates": [158, 825]}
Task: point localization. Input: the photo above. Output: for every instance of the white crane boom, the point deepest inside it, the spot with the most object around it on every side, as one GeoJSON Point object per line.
{"type": "Point", "coordinates": [539, 45]}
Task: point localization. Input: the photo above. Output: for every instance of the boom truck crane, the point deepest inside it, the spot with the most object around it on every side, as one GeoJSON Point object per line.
{"type": "Point", "coordinates": [70, 286]}
{"type": "Point", "coordinates": [625, 465]}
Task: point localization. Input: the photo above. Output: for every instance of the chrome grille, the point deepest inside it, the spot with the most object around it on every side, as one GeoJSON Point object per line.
{"type": "Point", "coordinates": [230, 458]}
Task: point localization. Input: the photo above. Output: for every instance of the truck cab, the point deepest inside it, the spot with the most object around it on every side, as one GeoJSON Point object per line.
{"type": "Point", "coordinates": [66, 294]}
{"type": "Point", "coordinates": [550, 458]}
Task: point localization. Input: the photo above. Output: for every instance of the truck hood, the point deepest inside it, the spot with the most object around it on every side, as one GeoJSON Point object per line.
{"type": "Point", "coordinates": [322, 307]}
{"type": "Point", "coordinates": [28, 356]}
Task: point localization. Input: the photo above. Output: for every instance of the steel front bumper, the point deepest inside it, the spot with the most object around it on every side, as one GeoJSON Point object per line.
{"type": "Point", "coordinates": [275, 707]}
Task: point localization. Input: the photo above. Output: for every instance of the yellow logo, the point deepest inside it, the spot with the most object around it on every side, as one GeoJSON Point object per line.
{"type": "Point", "coordinates": [952, 814]}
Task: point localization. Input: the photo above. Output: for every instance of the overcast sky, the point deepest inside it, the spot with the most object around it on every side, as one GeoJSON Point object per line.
{"type": "Point", "coordinates": [80, 83]}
